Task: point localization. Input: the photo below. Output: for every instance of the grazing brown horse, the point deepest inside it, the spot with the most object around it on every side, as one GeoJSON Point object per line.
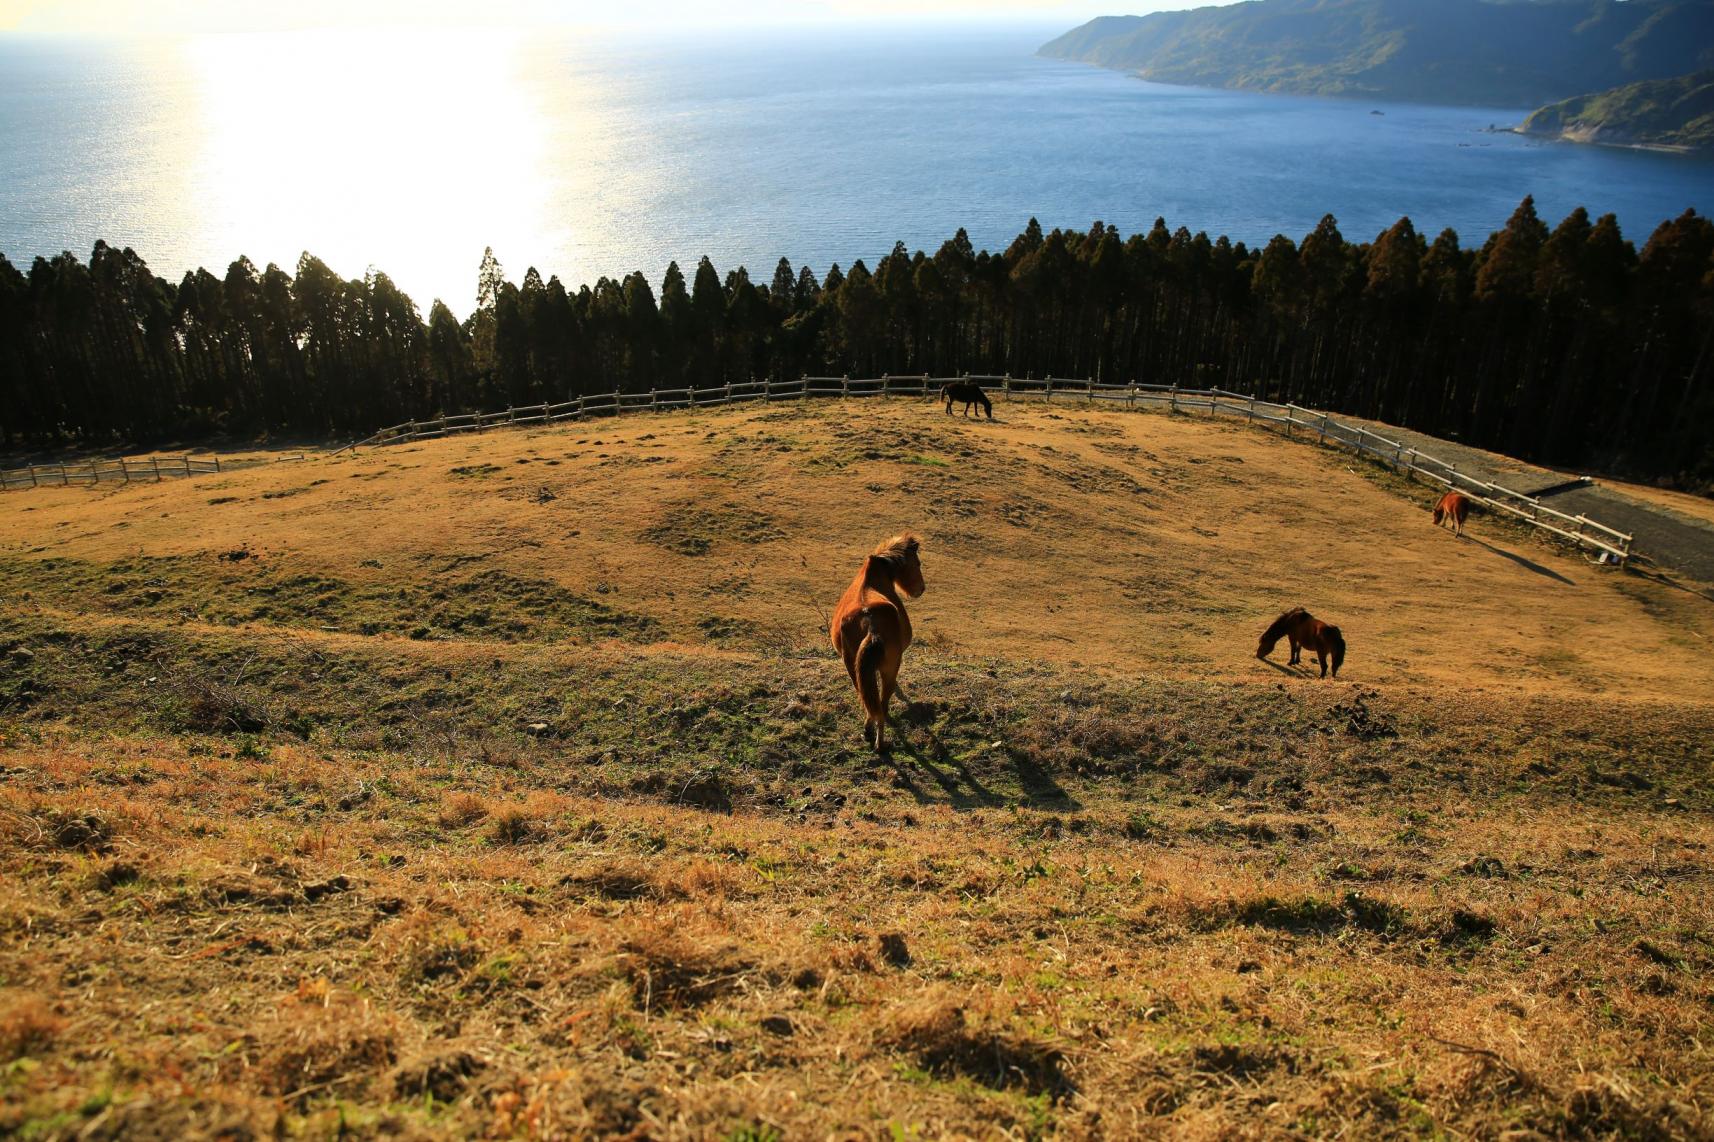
{"type": "Point", "coordinates": [970, 393]}
{"type": "Point", "coordinates": [871, 629]}
{"type": "Point", "coordinates": [1304, 629]}
{"type": "Point", "coordinates": [1453, 507]}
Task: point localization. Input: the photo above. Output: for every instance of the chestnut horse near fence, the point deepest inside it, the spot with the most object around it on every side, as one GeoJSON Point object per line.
{"type": "Point", "coordinates": [1304, 629]}
{"type": "Point", "coordinates": [1453, 507]}
{"type": "Point", "coordinates": [871, 629]}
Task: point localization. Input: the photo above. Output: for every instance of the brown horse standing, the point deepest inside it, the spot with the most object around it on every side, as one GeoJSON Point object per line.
{"type": "Point", "coordinates": [1304, 629]}
{"type": "Point", "coordinates": [970, 393]}
{"type": "Point", "coordinates": [871, 629]}
{"type": "Point", "coordinates": [1453, 507]}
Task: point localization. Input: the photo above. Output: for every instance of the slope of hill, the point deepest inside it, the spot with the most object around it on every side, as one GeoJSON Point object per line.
{"type": "Point", "coordinates": [506, 786]}
{"type": "Point", "coordinates": [1675, 113]}
{"type": "Point", "coordinates": [1458, 51]}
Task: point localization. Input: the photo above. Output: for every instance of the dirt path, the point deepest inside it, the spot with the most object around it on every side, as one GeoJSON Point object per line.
{"type": "Point", "coordinates": [1667, 537]}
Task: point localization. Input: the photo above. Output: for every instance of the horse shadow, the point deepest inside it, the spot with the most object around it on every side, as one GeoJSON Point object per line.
{"type": "Point", "coordinates": [1526, 564]}
{"type": "Point", "coordinates": [1668, 581]}
{"type": "Point", "coordinates": [963, 789]}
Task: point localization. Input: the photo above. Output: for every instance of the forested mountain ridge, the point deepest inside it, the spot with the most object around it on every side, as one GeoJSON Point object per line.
{"type": "Point", "coordinates": [1663, 112]}
{"type": "Point", "coordinates": [1470, 52]}
{"type": "Point", "coordinates": [1562, 345]}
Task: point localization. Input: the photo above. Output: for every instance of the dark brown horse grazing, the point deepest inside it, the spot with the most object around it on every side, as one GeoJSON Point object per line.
{"type": "Point", "coordinates": [1453, 507]}
{"type": "Point", "coordinates": [871, 629]}
{"type": "Point", "coordinates": [970, 393]}
{"type": "Point", "coordinates": [1304, 629]}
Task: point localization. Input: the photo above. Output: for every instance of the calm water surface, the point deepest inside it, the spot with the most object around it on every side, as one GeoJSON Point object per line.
{"type": "Point", "coordinates": [586, 156]}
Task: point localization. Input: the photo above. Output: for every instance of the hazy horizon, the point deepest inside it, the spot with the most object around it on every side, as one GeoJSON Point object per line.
{"type": "Point", "coordinates": [117, 18]}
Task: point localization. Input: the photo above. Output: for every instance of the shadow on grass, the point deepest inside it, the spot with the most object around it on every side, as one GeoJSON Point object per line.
{"type": "Point", "coordinates": [1668, 581]}
{"type": "Point", "coordinates": [916, 740]}
{"type": "Point", "coordinates": [1526, 564]}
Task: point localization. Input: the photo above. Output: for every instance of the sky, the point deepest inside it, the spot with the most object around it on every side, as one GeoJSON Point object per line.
{"type": "Point", "coordinates": [174, 17]}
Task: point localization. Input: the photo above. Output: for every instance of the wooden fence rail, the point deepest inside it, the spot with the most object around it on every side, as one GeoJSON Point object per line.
{"type": "Point", "coordinates": [124, 470]}
{"type": "Point", "coordinates": [1289, 418]}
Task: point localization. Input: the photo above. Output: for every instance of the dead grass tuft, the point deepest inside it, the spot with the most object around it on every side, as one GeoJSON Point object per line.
{"type": "Point", "coordinates": [515, 825]}
{"type": "Point", "coordinates": [669, 970]}
{"type": "Point", "coordinates": [443, 1077]}
{"type": "Point", "coordinates": [58, 827]}
{"type": "Point", "coordinates": [313, 1048]}
{"type": "Point", "coordinates": [461, 809]}
{"type": "Point", "coordinates": [28, 1026]}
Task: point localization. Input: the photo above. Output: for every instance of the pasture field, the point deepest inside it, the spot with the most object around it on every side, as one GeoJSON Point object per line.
{"type": "Point", "coordinates": [506, 786]}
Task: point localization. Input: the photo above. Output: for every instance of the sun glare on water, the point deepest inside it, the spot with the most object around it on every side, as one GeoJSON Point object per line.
{"type": "Point", "coordinates": [371, 148]}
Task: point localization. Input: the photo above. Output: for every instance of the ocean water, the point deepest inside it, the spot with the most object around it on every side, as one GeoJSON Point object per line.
{"type": "Point", "coordinates": [586, 154]}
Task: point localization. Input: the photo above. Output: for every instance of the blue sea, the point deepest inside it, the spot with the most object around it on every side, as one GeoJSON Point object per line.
{"type": "Point", "coordinates": [599, 153]}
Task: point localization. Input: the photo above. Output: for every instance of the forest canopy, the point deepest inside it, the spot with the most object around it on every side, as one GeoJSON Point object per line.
{"type": "Point", "coordinates": [1563, 344]}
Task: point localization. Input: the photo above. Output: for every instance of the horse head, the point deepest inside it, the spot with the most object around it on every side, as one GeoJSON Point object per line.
{"type": "Point", "coordinates": [898, 559]}
{"type": "Point", "coordinates": [1277, 630]}
{"type": "Point", "coordinates": [1338, 641]}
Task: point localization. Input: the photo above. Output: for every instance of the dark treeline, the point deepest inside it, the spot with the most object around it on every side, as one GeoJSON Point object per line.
{"type": "Point", "coordinates": [1563, 345]}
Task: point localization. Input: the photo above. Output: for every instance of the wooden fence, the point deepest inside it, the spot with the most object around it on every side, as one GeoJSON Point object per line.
{"type": "Point", "coordinates": [1288, 418]}
{"type": "Point", "coordinates": [124, 470]}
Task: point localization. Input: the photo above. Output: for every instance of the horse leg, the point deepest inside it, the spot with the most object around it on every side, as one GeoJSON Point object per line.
{"type": "Point", "coordinates": [1296, 649]}
{"type": "Point", "coordinates": [1321, 658]}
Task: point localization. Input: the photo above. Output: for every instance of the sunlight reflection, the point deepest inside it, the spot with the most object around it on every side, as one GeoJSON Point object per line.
{"type": "Point", "coordinates": [378, 148]}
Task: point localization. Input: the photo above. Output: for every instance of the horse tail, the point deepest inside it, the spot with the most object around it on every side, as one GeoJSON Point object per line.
{"type": "Point", "coordinates": [870, 653]}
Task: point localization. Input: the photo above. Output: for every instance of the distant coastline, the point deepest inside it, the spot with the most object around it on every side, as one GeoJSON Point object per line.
{"type": "Point", "coordinates": [1591, 138]}
{"type": "Point", "coordinates": [1457, 53]}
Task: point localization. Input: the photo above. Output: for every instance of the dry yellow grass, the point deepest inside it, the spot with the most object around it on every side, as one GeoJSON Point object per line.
{"type": "Point", "coordinates": [1137, 544]}
{"type": "Point", "coordinates": [505, 787]}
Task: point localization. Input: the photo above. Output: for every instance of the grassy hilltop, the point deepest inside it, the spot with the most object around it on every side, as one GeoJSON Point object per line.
{"type": "Point", "coordinates": [1483, 53]}
{"type": "Point", "coordinates": [1676, 113]}
{"type": "Point", "coordinates": [506, 785]}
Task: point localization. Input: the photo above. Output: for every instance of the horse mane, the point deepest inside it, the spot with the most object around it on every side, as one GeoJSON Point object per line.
{"type": "Point", "coordinates": [898, 546]}
{"type": "Point", "coordinates": [1286, 620]}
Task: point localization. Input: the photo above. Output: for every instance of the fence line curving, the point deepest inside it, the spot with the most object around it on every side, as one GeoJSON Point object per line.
{"type": "Point", "coordinates": [1216, 402]}
{"type": "Point", "coordinates": [122, 470]}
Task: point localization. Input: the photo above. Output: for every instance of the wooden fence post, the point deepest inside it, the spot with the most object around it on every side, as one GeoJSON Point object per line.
{"type": "Point", "coordinates": [155, 463]}
{"type": "Point", "coordinates": [1252, 407]}
{"type": "Point", "coordinates": [1006, 386]}
{"type": "Point", "coordinates": [34, 483]}
{"type": "Point", "coordinates": [1322, 439]}
{"type": "Point", "coordinates": [845, 385]}
{"type": "Point", "coordinates": [1172, 398]}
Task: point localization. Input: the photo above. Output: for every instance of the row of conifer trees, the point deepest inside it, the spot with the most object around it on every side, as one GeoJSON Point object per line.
{"type": "Point", "coordinates": [1567, 346]}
